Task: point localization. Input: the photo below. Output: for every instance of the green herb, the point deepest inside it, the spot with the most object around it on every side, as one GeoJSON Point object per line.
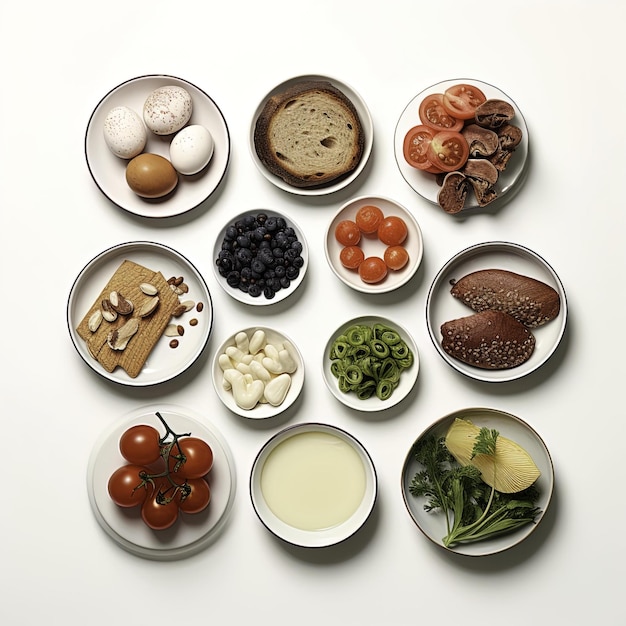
{"type": "Point", "coordinates": [473, 511]}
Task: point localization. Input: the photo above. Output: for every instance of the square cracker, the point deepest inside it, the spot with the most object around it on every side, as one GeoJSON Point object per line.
{"type": "Point", "coordinates": [126, 280]}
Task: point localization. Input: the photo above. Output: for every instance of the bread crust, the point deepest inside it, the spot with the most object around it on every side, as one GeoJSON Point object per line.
{"type": "Point", "coordinates": [309, 135]}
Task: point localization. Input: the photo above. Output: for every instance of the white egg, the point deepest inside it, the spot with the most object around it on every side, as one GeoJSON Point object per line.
{"type": "Point", "coordinates": [124, 132]}
{"type": "Point", "coordinates": [167, 109]}
{"type": "Point", "coordinates": [191, 149]}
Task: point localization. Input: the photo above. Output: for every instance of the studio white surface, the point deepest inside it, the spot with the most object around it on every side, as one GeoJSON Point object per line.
{"type": "Point", "coordinates": [561, 64]}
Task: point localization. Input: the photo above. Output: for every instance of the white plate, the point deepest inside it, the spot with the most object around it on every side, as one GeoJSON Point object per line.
{"type": "Point", "coordinates": [366, 123]}
{"type": "Point", "coordinates": [425, 184]}
{"type": "Point", "coordinates": [164, 362]}
{"type": "Point", "coordinates": [108, 171]}
{"type": "Point", "coordinates": [313, 538]}
{"type": "Point", "coordinates": [191, 533]}
{"type": "Point", "coordinates": [372, 246]}
{"type": "Point", "coordinates": [408, 376]}
{"type": "Point", "coordinates": [441, 306]}
{"type": "Point", "coordinates": [261, 410]}
{"type": "Point", "coordinates": [261, 300]}
{"type": "Point", "coordinates": [433, 524]}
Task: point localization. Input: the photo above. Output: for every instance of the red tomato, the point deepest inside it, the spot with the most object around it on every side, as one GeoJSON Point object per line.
{"type": "Point", "coordinates": [368, 218]}
{"type": "Point", "coordinates": [372, 270]}
{"type": "Point", "coordinates": [448, 150]}
{"type": "Point", "coordinates": [393, 230]}
{"type": "Point", "coordinates": [347, 233]}
{"type": "Point", "coordinates": [190, 458]}
{"type": "Point", "coordinates": [197, 499]}
{"type": "Point", "coordinates": [140, 444]}
{"type": "Point", "coordinates": [432, 113]}
{"type": "Point", "coordinates": [416, 143]}
{"type": "Point", "coordinates": [351, 257]}
{"type": "Point", "coordinates": [126, 486]}
{"type": "Point", "coordinates": [461, 100]}
{"type": "Point", "coordinates": [159, 515]}
{"type": "Point", "coordinates": [396, 257]}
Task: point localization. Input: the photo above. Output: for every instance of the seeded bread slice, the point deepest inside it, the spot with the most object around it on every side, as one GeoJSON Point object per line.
{"type": "Point", "coordinates": [310, 135]}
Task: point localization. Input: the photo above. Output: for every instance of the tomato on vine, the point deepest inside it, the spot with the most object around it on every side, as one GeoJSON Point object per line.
{"type": "Point", "coordinates": [141, 444]}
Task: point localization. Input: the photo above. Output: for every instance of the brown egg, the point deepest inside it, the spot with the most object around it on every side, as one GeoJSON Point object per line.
{"type": "Point", "coordinates": [151, 176]}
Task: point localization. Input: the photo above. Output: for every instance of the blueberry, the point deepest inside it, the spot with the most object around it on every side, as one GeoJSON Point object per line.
{"type": "Point", "coordinates": [285, 282]}
{"type": "Point", "coordinates": [292, 272]}
{"type": "Point", "coordinates": [268, 292]}
{"type": "Point", "coordinates": [255, 290]}
{"type": "Point", "coordinates": [233, 279]}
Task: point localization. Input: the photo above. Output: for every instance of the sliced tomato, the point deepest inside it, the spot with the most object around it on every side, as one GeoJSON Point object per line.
{"type": "Point", "coordinates": [461, 100]}
{"type": "Point", "coordinates": [432, 113]}
{"type": "Point", "coordinates": [448, 150]}
{"type": "Point", "coordinates": [416, 143]}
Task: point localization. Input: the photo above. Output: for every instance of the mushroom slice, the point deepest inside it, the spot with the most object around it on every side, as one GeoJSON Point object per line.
{"type": "Point", "coordinates": [482, 142]}
{"type": "Point", "coordinates": [494, 113]}
{"type": "Point", "coordinates": [451, 196]}
{"type": "Point", "coordinates": [482, 175]}
{"type": "Point", "coordinates": [509, 137]}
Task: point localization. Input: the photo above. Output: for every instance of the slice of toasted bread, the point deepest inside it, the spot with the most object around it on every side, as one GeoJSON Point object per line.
{"type": "Point", "coordinates": [309, 135]}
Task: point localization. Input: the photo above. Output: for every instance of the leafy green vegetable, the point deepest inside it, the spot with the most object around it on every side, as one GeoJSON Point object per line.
{"type": "Point", "coordinates": [473, 511]}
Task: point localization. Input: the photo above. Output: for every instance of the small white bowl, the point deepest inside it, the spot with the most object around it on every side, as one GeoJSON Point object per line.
{"type": "Point", "coordinates": [261, 410]}
{"type": "Point", "coordinates": [366, 123]}
{"type": "Point", "coordinates": [305, 457]}
{"type": "Point", "coordinates": [372, 246]}
{"type": "Point", "coordinates": [108, 171]}
{"type": "Point", "coordinates": [408, 377]}
{"type": "Point", "coordinates": [281, 294]}
{"type": "Point", "coordinates": [433, 525]}
{"type": "Point", "coordinates": [441, 306]}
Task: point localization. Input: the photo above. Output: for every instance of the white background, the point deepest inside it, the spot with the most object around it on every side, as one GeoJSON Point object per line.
{"type": "Point", "coordinates": [562, 64]}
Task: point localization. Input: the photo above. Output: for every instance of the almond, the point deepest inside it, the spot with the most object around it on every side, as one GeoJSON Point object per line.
{"type": "Point", "coordinates": [489, 340]}
{"type": "Point", "coordinates": [528, 300]}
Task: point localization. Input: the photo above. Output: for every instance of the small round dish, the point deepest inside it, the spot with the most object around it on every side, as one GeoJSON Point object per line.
{"type": "Point", "coordinates": [163, 363]}
{"type": "Point", "coordinates": [408, 376]}
{"type": "Point", "coordinates": [291, 361]}
{"type": "Point", "coordinates": [441, 306]}
{"type": "Point", "coordinates": [190, 534]}
{"type": "Point", "coordinates": [366, 122]}
{"type": "Point", "coordinates": [425, 184]}
{"type": "Point", "coordinates": [372, 246]}
{"type": "Point", "coordinates": [221, 269]}
{"type": "Point", "coordinates": [433, 525]}
{"type": "Point", "coordinates": [313, 485]}
{"type": "Point", "coordinates": [108, 170]}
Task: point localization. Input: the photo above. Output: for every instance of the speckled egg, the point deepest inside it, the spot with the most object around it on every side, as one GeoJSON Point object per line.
{"type": "Point", "coordinates": [191, 149]}
{"type": "Point", "coordinates": [151, 176]}
{"type": "Point", "coordinates": [167, 109]}
{"type": "Point", "coordinates": [124, 132]}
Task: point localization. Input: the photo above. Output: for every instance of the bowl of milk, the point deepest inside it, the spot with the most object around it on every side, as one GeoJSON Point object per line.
{"type": "Point", "coordinates": [313, 485]}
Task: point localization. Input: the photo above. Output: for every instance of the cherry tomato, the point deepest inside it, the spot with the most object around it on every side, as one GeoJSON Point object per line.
{"type": "Point", "coordinates": [372, 270]}
{"type": "Point", "coordinates": [393, 230]}
{"type": "Point", "coordinates": [159, 515]}
{"type": "Point", "coordinates": [396, 257]}
{"type": "Point", "coordinates": [416, 143]}
{"type": "Point", "coordinates": [461, 100]}
{"type": "Point", "coordinates": [127, 488]}
{"type": "Point", "coordinates": [190, 458]}
{"type": "Point", "coordinates": [140, 444]}
{"type": "Point", "coordinates": [368, 218]}
{"type": "Point", "coordinates": [347, 233]}
{"type": "Point", "coordinates": [448, 150]}
{"type": "Point", "coordinates": [198, 498]}
{"type": "Point", "coordinates": [432, 113]}
{"type": "Point", "coordinates": [351, 257]}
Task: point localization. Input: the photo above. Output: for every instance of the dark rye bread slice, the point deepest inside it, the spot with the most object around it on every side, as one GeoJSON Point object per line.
{"type": "Point", "coordinates": [310, 135]}
{"type": "Point", "coordinates": [490, 340]}
{"type": "Point", "coordinates": [528, 300]}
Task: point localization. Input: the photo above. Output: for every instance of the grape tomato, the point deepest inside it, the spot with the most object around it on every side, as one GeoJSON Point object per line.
{"type": "Point", "coordinates": [368, 218]}
{"type": "Point", "coordinates": [351, 257]}
{"type": "Point", "coordinates": [347, 233]}
{"type": "Point", "coordinates": [393, 230]}
{"type": "Point", "coordinates": [372, 270]}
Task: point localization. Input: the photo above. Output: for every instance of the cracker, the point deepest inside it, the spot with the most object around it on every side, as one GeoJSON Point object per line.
{"type": "Point", "coordinates": [127, 280]}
